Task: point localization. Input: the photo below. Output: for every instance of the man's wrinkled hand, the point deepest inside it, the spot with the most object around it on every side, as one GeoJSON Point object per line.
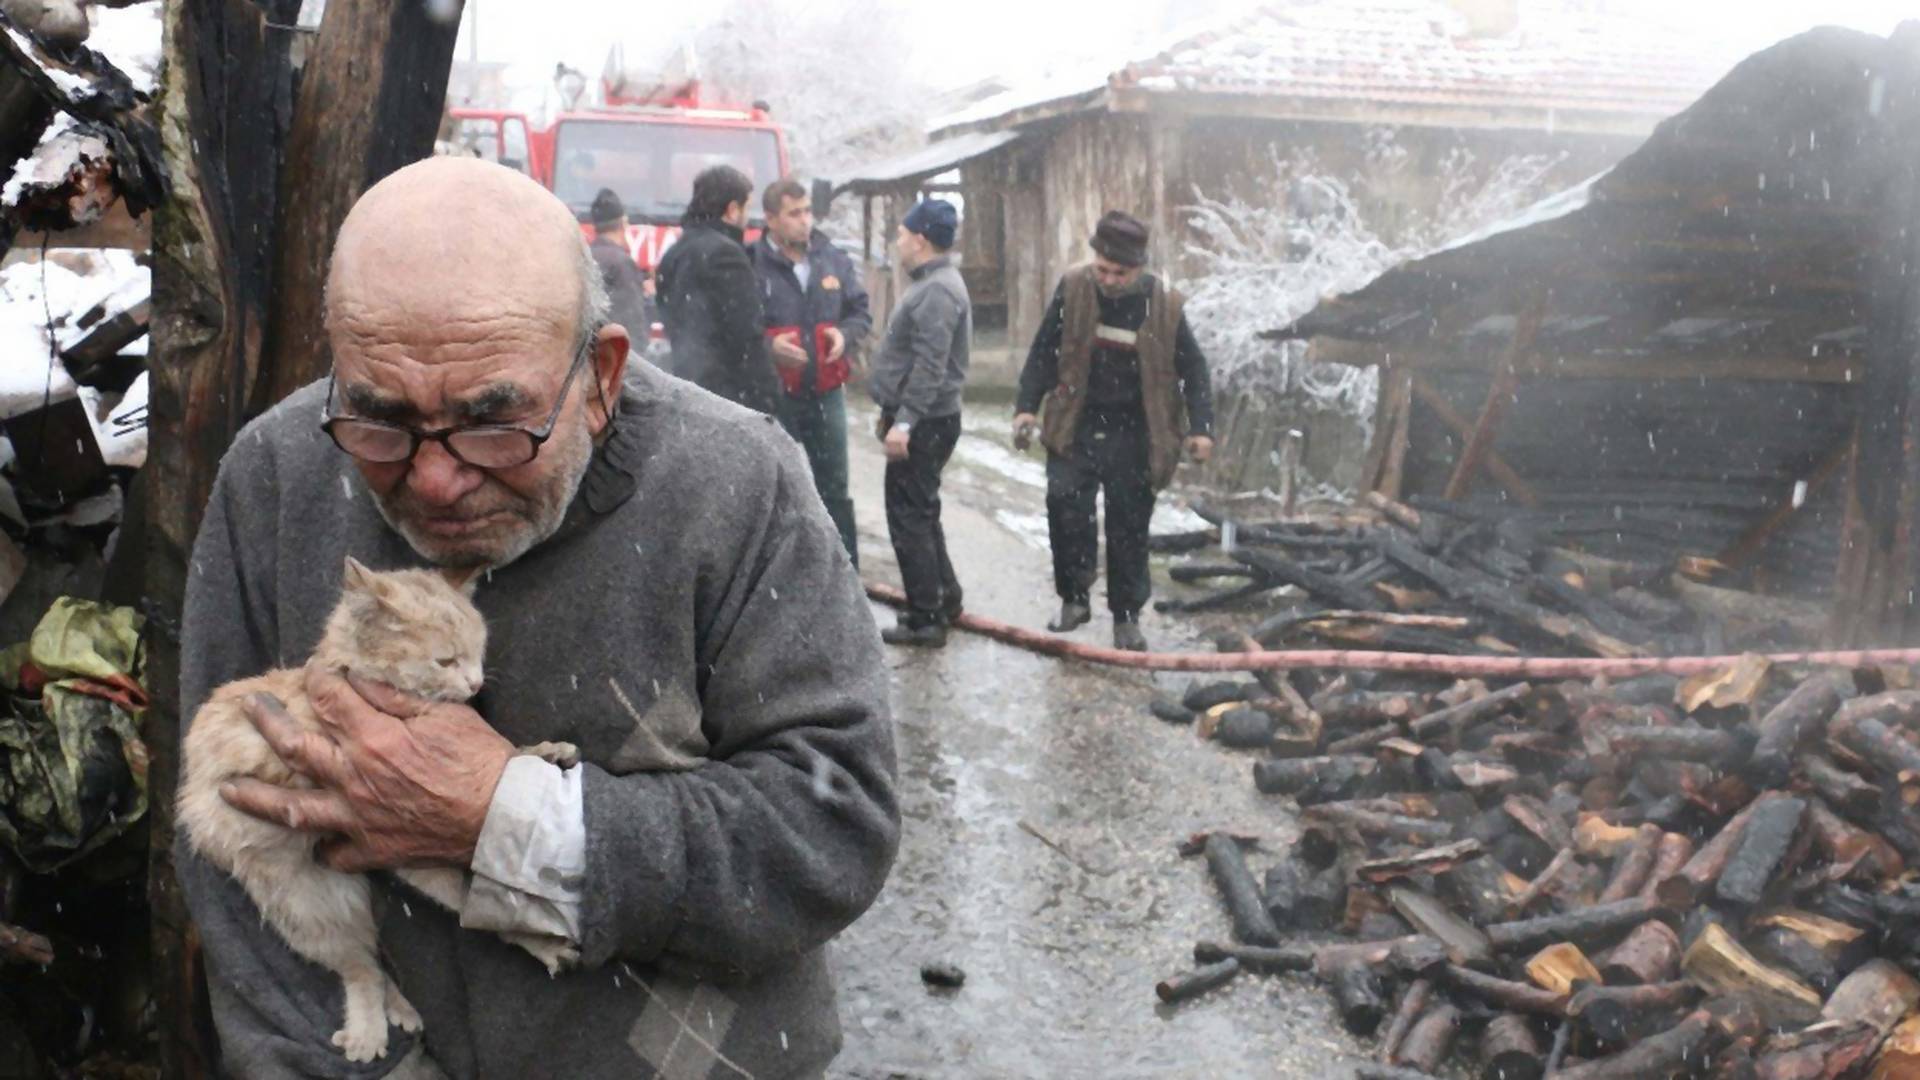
{"type": "Point", "coordinates": [400, 781]}
{"type": "Point", "coordinates": [836, 344]}
{"type": "Point", "coordinates": [896, 444]}
{"type": "Point", "coordinates": [1200, 448]}
{"type": "Point", "coordinates": [787, 351]}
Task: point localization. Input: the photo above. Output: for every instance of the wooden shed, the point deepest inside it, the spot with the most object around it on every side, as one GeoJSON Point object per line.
{"type": "Point", "coordinates": [1711, 350]}
{"type": "Point", "coordinates": [1215, 111]}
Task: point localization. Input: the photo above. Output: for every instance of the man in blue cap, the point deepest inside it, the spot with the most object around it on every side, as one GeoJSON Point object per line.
{"type": "Point", "coordinates": [918, 375]}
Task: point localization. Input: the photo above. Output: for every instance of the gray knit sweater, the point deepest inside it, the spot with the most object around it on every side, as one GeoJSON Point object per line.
{"type": "Point", "coordinates": [696, 628]}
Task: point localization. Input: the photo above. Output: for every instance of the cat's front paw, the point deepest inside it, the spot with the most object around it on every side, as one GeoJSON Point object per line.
{"type": "Point", "coordinates": [564, 754]}
{"type": "Point", "coordinates": [400, 1011]}
{"type": "Point", "coordinates": [364, 1038]}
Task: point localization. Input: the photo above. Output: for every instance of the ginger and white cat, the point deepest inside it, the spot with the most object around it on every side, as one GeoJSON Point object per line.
{"type": "Point", "coordinates": [418, 633]}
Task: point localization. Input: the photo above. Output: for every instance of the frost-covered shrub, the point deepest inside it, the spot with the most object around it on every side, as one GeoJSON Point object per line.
{"type": "Point", "coordinates": [1306, 235]}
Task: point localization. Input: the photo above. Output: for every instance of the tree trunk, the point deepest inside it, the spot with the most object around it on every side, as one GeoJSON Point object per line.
{"type": "Point", "coordinates": [255, 157]}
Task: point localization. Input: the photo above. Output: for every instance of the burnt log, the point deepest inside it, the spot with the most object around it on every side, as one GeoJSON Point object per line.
{"type": "Point", "coordinates": [1717, 962]}
{"type": "Point", "coordinates": [1238, 890]}
{"type": "Point", "coordinates": [1849, 792]}
{"type": "Point", "coordinates": [1686, 742]}
{"type": "Point", "coordinates": [1413, 1002]}
{"type": "Point", "coordinates": [1259, 959]}
{"type": "Point", "coordinates": [1164, 707]}
{"type": "Point", "coordinates": [1673, 1051]}
{"type": "Point", "coordinates": [1490, 594]}
{"type": "Point", "coordinates": [1435, 860]}
{"type": "Point", "coordinates": [1650, 954]}
{"type": "Point", "coordinates": [1456, 719]}
{"type": "Point", "coordinates": [1683, 890]}
{"type": "Point", "coordinates": [1191, 984]}
{"type": "Point", "coordinates": [1633, 865]}
{"type": "Point", "coordinates": [1359, 996]}
{"type": "Point", "coordinates": [1508, 995]}
{"type": "Point", "coordinates": [1201, 696]}
{"type": "Point", "coordinates": [1898, 707]}
{"type": "Point", "coordinates": [1881, 747]}
{"type": "Point", "coordinates": [1762, 856]}
{"type": "Point", "coordinates": [1850, 851]}
{"type": "Point", "coordinates": [1246, 728]}
{"type": "Point", "coordinates": [1509, 1049]}
{"type": "Point", "coordinates": [1412, 830]}
{"type": "Point", "coordinates": [1672, 855]}
{"type": "Point", "coordinates": [1431, 1038]}
{"type": "Point", "coordinates": [1330, 590]}
{"type": "Point", "coordinates": [1466, 944]}
{"type": "Point", "coordinates": [1615, 1015]}
{"type": "Point", "coordinates": [1540, 820]}
{"type": "Point", "coordinates": [1819, 1053]}
{"type": "Point", "coordinates": [1558, 968]}
{"type": "Point", "coordinates": [1362, 741]}
{"type": "Point", "coordinates": [1787, 728]}
{"type": "Point", "coordinates": [1314, 779]}
{"type": "Point", "coordinates": [1581, 927]}
{"type": "Point", "coordinates": [1367, 708]}
{"type": "Point", "coordinates": [1299, 897]}
{"type": "Point", "coordinates": [1878, 994]}
{"type": "Point", "coordinates": [1481, 888]}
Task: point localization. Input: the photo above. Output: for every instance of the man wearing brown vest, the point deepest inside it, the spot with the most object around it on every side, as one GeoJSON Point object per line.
{"type": "Point", "coordinates": [1125, 388]}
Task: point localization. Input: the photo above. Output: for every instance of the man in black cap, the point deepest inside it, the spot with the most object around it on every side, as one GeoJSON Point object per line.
{"type": "Point", "coordinates": [918, 375]}
{"type": "Point", "coordinates": [626, 285]}
{"type": "Point", "coordinates": [710, 299]}
{"type": "Point", "coordinates": [1125, 388]}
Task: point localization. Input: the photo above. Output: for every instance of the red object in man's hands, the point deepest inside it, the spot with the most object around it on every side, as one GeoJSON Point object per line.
{"type": "Point", "coordinates": [828, 374]}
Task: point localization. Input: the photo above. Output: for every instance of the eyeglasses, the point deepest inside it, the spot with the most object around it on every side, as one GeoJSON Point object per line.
{"type": "Point", "coordinates": [483, 446]}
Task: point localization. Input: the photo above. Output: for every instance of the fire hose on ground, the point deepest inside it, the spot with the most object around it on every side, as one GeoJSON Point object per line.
{"type": "Point", "coordinates": [1462, 667]}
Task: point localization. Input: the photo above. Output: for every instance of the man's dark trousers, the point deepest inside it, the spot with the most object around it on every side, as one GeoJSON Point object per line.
{"type": "Point", "coordinates": [819, 424]}
{"type": "Point", "coordinates": [913, 520]}
{"type": "Point", "coordinates": [1109, 451]}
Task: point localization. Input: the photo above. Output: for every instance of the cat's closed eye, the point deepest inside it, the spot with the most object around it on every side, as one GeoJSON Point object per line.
{"type": "Point", "coordinates": [448, 661]}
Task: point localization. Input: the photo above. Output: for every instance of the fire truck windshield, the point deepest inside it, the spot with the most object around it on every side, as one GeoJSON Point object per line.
{"type": "Point", "coordinates": [651, 164]}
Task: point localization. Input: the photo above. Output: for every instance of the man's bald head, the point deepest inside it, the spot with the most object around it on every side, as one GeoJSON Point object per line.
{"type": "Point", "coordinates": [453, 238]}
{"type": "Point", "coordinates": [462, 295]}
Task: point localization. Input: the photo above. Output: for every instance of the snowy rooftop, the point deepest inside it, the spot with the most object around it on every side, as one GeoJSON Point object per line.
{"type": "Point", "coordinates": [1408, 53]}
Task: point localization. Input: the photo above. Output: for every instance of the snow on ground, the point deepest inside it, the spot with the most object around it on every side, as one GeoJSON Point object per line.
{"type": "Point", "coordinates": [129, 38]}
{"type": "Point", "coordinates": [31, 292]}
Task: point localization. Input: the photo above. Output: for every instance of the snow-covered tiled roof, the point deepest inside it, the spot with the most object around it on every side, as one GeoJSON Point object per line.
{"type": "Point", "coordinates": [1413, 53]}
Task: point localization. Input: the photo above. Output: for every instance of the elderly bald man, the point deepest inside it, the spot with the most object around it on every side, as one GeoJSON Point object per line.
{"type": "Point", "coordinates": [689, 619]}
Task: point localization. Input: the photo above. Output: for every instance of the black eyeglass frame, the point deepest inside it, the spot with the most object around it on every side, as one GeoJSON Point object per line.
{"type": "Point", "coordinates": [537, 436]}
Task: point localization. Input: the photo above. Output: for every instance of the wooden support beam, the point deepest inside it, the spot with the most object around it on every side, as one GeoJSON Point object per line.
{"type": "Point", "coordinates": [1829, 367]}
{"type": "Point", "coordinates": [1393, 459]}
{"type": "Point", "coordinates": [369, 100]}
{"type": "Point", "coordinates": [1499, 396]}
{"type": "Point", "coordinates": [1750, 542]}
{"type": "Point", "coordinates": [1497, 466]}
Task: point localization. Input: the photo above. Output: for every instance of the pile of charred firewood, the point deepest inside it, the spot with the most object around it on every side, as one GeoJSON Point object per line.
{"type": "Point", "coordinates": [1644, 879]}
{"type": "Point", "coordinates": [1449, 578]}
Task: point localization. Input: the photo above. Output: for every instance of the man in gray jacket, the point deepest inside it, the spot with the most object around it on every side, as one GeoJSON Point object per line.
{"type": "Point", "coordinates": [734, 808]}
{"type": "Point", "coordinates": [918, 375]}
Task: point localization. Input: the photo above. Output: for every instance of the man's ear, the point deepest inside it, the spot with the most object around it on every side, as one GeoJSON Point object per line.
{"type": "Point", "coordinates": [610, 352]}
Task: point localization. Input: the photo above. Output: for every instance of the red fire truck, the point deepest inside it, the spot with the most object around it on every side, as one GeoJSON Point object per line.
{"type": "Point", "coordinates": [646, 141]}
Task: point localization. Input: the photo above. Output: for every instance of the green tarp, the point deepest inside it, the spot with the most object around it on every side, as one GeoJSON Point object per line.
{"type": "Point", "coordinates": [73, 771]}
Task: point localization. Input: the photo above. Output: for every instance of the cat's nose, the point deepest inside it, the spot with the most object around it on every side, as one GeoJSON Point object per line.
{"type": "Point", "coordinates": [474, 681]}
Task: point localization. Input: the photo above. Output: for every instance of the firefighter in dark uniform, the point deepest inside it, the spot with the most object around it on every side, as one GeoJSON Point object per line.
{"type": "Point", "coordinates": [1126, 389]}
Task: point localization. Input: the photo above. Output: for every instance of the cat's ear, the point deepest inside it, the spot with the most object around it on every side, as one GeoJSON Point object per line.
{"type": "Point", "coordinates": [358, 578]}
{"type": "Point", "coordinates": [466, 578]}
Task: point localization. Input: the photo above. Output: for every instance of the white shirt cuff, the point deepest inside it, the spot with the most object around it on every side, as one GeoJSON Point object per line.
{"type": "Point", "coordinates": [530, 863]}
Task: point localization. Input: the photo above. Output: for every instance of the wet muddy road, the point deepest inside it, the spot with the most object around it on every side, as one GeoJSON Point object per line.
{"type": "Point", "coordinates": [1041, 808]}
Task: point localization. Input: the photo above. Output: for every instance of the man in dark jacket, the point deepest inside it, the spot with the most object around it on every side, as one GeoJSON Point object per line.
{"type": "Point", "coordinates": [709, 299]}
{"type": "Point", "coordinates": [918, 374]}
{"type": "Point", "coordinates": [1125, 385]}
{"type": "Point", "coordinates": [626, 285]}
{"type": "Point", "coordinates": [816, 319]}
